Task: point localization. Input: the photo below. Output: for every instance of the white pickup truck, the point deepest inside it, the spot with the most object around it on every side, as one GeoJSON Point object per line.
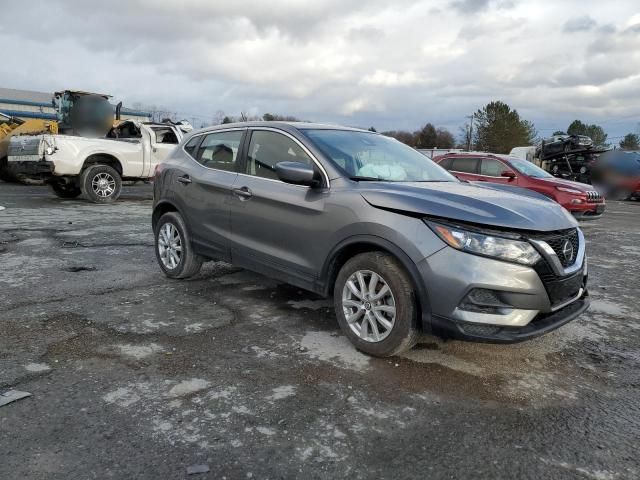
{"type": "Point", "coordinates": [94, 167]}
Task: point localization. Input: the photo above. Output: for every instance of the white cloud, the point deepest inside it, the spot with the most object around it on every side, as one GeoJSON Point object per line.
{"type": "Point", "coordinates": [388, 64]}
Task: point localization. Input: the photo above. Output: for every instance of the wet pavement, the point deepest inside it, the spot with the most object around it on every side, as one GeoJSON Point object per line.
{"type": "Point", "coordinates": [137, 376]}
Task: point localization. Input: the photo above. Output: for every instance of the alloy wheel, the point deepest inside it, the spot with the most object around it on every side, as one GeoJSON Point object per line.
{"type": "Point", "coordinates": [103, 184]}
{"type": "Point", "coordinates": [369, 306]}
{"type": "Point", "coordinates": [169, 246]}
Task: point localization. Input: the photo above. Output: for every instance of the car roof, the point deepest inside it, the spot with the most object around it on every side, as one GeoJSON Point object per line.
{"type": "Point", "coordinates": [287, 126]}
{"type": "Point", "coordinates": [499, 156]}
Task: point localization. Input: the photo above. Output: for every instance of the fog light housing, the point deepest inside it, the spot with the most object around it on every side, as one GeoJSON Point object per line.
{"type": "Point", "coordinates": [482, 300]}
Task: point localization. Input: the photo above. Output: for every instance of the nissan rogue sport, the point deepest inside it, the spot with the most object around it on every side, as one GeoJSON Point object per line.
{"type": "Point", "coordinates": [401, 244]}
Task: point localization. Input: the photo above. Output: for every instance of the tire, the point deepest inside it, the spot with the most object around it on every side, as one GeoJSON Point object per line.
{"type": "Point", "coordinates": [5, 174]}
{"type": "Point", "coordinates": [400, 332]}
{"type": "Point", "coordinates": [63, 190]}
{"type": "Point", "coordinates": [171, 226]}
{"type": "Point", "coordinates": [101, 183]}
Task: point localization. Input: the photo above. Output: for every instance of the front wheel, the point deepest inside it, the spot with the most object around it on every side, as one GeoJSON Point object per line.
{"type": "Point", "coordinates": [376, 305]}
{"type": "Point", "coordinates": [101, 184]}
{"type": "Point", "coordinates": [174, 252]}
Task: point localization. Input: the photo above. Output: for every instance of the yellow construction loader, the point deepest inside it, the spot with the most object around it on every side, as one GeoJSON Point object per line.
{"type": "Point", "coordinates": [78, 113]}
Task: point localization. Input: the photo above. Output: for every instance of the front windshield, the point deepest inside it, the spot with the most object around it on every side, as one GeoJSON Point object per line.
{"type": "Point", "coordinates": [370, 156]}
{"type": "Point", "coordinates": [528, 168]}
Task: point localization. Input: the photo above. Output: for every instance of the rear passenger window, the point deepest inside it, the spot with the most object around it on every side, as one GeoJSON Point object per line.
{"type": "Point", "coordinates": [220, 150]}
{"type": "Point", "coordinates": [491, 167]}
{"type": "Point", "coordinates": [268, 148]}
{"type": "Point", "coordinates": [446, 163]}
{"type": "Point", "coordinates": [192, 144]}
{"type": "Point", "coordinates": [464, 165]}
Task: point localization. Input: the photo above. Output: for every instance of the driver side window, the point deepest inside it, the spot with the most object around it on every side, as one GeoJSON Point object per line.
{"type": "Point", "coordinates": [266, 149]}
{"type": "Point", "coordinates": [492, 168]}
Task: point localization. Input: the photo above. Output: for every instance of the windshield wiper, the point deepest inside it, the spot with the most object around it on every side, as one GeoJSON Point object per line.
{"type": "Point", "coordinates": [368, 179]}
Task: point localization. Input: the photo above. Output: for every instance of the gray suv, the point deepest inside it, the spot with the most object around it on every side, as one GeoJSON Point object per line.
{"type": "Point", "coordinates": [401, 244]}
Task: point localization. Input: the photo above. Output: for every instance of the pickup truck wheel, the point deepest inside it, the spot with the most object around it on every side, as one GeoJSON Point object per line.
{"type": "Point", "coordinates": [5, 174]}
{"type": "Point", "coordinates": [174, 252]}
{"type": "Point", "coordinates": [101, 184]}
{"type": "Point", "coordinates": [64, 190]}
{"type": "Point", "coordinates": [375, 304]}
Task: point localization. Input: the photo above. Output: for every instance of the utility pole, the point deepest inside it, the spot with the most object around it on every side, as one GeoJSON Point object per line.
{"type": "Point", "coordinates": [470, 136]}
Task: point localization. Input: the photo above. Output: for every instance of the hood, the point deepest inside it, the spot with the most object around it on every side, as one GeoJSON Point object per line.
{"type": "Point", "coordinates": [559, 182]}
{"type": "Point", "coordinates": [471, 203]}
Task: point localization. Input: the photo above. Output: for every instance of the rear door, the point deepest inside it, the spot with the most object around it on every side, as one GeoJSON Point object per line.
{"type": "Point", "coordinates": [205, 186]}
{"type": "Point", "coordinates": [465, 168]}
{"type": "Point", "coordinates": [276, 226]}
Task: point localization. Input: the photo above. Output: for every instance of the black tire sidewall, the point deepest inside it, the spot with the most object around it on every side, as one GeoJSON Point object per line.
{"type": "Point", "coordinates": [406, 306]}
{"type": "Point", "coordinates": [87, 188]}
{"type": "Point", "coordinates": [67, 191]}
{"type": "Point", "coordinates": [188, 256]}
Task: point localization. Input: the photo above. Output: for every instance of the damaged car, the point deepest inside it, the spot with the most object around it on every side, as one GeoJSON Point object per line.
{"type": "Point", "coordinates": [562, 145]}
{"type": "Point", "coordinates": [401, 245]}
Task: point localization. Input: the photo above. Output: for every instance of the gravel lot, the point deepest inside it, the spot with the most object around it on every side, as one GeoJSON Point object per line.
{"type": "Point", "coordinates": [137, 376]}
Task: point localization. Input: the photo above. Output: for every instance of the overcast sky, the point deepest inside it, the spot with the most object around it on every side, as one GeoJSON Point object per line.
{"type": "Point", "coordinates": [393, 65]}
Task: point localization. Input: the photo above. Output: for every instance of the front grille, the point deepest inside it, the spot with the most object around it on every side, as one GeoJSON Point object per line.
{"type": "Point", "coordinates": [560, 289]}
{"type": "Point", "coordinates": [558, 242]}
{"type": "Point", "coordinates": [564, 289]}
{"type": "Point", "coordinates": [594, 197]}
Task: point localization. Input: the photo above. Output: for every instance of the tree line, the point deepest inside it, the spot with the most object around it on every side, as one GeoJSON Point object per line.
{"type": "Point", "coordinates": [494, 128]}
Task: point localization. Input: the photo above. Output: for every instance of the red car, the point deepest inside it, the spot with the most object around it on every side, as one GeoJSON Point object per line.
{"type": "Point", "coordinates": [582, 200]}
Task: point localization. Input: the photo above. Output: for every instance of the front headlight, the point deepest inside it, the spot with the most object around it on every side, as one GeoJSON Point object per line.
{"type": "Point", "coordinates": [501, 248]}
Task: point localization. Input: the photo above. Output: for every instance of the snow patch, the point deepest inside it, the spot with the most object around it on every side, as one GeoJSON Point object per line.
{"type": "Point", "coordinates": [37, 367]}
{"type": "Point", "coordinates": [139, 351]}
{"type": "Point", "coordinates": [335, 350]}
{"type": "Point", "coordinates": [282, 392]}
{"type": "Point", "coordinates": [188, 387]}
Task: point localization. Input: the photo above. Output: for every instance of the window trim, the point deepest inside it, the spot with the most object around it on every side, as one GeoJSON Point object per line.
{"type": "Point", "coordinates": [211, 132]}
{"type": "Point", "coordinates": [313, 158]}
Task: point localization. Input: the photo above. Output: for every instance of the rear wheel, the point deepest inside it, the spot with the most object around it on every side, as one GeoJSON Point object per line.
{"type": "Point", "coordinates": [101, 183]}
{"type": "Point", "coordinates": [5, 174]}
{"type": "Point", "coordinates": [174, 252]}
{"type": "Point", "coordinates": [375, 304]}
{"type": "Point", "coordinates": [64, 190]}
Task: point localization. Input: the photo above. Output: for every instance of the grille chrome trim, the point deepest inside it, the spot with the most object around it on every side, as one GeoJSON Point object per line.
{"type": "Point", "coordinates": [551, 256]}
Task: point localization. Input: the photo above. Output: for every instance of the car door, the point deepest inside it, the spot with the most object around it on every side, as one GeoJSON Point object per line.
{"type": "Point", "coordinates": [491, 170]}
{"type": "Point", "coordinates": [276, 226]}
{"type": "Point", "coordinates": [163, 141]}
{"type": "Point", "coordinates": [205, 189]}
{"type": "Point", "coordinates": [465, 168]}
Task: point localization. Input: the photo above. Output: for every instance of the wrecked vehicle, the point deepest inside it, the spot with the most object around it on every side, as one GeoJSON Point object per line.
{"type": "Point", "coordinates": [95, 167]}
{"type": "Point", "coordinates": [563, 144]}
{"type": "Point", "coordinates": [402, 245]}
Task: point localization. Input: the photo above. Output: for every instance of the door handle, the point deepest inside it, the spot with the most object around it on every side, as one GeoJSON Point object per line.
{"type": "Point", "coordinates": [185, 179]}
{"type": "Point", "coordinates": [243, 192]}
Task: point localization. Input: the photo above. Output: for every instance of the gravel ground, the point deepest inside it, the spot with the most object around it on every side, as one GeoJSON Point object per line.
{"type": "Point", "coordinates": [137, 376]}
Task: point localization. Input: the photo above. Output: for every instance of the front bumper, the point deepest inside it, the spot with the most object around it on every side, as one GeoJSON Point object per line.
{"type": "Point", "coordinates": [530, 300]}
{"type": "Point", "coordinates": [541, 324]}
{"type": "Point", "coordinates": [590, 211]}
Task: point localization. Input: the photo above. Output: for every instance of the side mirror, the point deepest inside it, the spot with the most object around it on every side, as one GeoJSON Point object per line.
{"type": "Point", "coordinates": [508, 174]}
{"type": "Point", "coordinates": [297, 173]}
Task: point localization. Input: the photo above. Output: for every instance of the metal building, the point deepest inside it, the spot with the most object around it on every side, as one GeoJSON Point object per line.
{"type": "Point", "coordinates": [29, 104]}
